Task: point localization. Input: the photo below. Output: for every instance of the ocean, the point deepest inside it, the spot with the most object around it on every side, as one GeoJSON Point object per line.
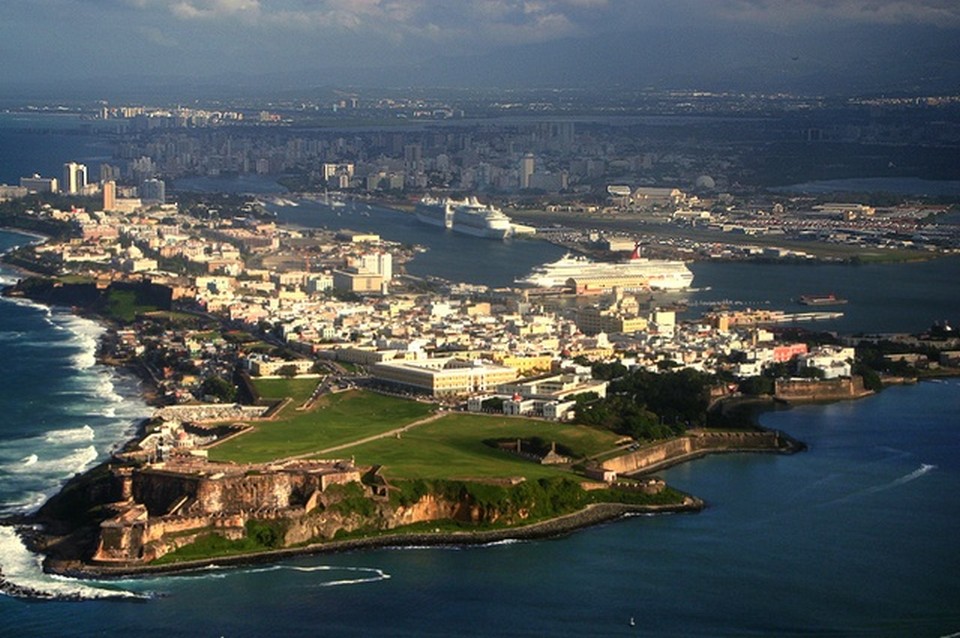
{"type": "Point", "coordinates": [42, 142]}
{"type": "Point", "coordinates": [856, 536]}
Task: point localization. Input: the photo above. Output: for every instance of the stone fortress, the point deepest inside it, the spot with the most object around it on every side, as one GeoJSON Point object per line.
{"type": "Point", "coordinates": [167, 505]}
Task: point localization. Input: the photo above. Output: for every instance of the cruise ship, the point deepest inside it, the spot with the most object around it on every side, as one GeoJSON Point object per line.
{"type": "Point", "coordinates": [588, 276]}
{"type": "Point", "coordinates": [466, 216]}
{"type": "Point", "coordinates": [473, 218]}
{"type": "Point", "coordinates": [437, 212]}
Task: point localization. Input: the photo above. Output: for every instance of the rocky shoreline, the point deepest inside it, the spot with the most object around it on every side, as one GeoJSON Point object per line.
{"type": "Point", "coordinates": [590, 516]}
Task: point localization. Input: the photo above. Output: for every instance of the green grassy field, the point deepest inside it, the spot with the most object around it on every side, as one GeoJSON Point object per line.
{"type": "Point", "coordinates": [453, 448]}
{"type": "Point", "coordinates": [335, 419]}
{"type": "Point", "coordinates": [299, 390]}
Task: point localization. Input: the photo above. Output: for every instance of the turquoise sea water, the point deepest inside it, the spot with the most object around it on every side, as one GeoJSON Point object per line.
{"type": "Point", "coordinates": [854, 537]}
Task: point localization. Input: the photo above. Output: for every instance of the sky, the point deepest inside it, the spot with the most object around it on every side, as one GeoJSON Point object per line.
{"type": "Point", "coordinates": [467, 41]}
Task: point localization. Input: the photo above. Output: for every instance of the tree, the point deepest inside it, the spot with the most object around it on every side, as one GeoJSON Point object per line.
{"type": "Point", "coordinates": [219, 388]}
{"type": "Point", "coordinates": [756, 386]}
{"type": "Point", "coordinates": [646, 405]}
{"type": "Point", "coordinates": [606, 371]}
{"type": "Point", "coordinates": [808, 372]}
{"type": "Point", "coordinates": [289, 371]}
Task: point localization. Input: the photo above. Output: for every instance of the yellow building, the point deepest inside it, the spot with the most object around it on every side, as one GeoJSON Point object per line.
{"type": "Point", "coordinates": [524, 364]}
{"type": "Point", "coordinates": [593, 321]}
{"type": "Point", "coordinates": [357, 282]}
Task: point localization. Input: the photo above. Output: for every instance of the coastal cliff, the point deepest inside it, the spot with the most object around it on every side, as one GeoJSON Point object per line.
{"type": "Point", "coordinates": [128, 518]}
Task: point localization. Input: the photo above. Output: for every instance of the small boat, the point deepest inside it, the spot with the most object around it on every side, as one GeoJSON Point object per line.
{"type": "Point", "coordinates": [820, 300]}
{"type": "Point", "coordinates": [633, 623]}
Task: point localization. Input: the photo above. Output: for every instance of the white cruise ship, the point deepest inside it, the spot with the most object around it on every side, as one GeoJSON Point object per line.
{"type": "Point", "coordinates": [466, 216]}
{"type": "Point", "coordinates": [637, 273]}
{"type": "Point", "coordinates": [473, 218]}
{"type": "Point", "coordinates": [437, 212]}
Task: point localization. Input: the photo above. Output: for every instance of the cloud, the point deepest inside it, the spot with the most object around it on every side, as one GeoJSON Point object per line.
{"type": "Point", "coordinates": [206, 9]}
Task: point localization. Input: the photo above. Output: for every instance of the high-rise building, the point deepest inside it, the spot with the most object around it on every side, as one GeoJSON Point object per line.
{"type": "Point", "coordinates": [526, 170]}
{"type": "Point", "coordinates": [39, 184]}
{"type": "Point", "coordinates": [74, 177]}
{"type": "Point", "coordinates": [153, 191]}
{"type": "Point", "coordinates": [109, 172]}
{"type": "Point", "coordinates": [109, 195]}
{"type": "Point", "coordinates": [413, 157]}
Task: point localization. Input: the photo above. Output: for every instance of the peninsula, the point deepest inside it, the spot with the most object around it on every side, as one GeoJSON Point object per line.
{"type": "Point", "coordinates": [311, 399]}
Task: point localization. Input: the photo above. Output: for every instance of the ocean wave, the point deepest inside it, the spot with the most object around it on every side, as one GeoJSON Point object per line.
{"type": "Point", "coordinates": [84, 360]}
{"type": "Point", "coordinates": [64, 466]}
{"type": "Point", "coordinates": [72, 435]}
{"type": "Point", "coordinates": [372, 574]}
{"type": "Point", "coordinates": [107, 390]}
{"type": "Point", "coordinates": [30, 303]}
{"type": "Point", "coordinates": [26, 503]}
{"type": "Point", "coordinates": [505, 541]}
{"type": "Point", "coordinates": [23, 576]}
{"type": "Point", "coordinates": [85, 338]}
{"type": "Point", "coordinates": [92, 388]}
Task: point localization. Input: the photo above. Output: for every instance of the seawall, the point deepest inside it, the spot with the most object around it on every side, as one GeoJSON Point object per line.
{"type": "Point", "coordinates": [698, 443]}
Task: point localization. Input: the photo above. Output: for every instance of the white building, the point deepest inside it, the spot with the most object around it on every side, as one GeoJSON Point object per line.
{"type": "Point", "coordinates": [74, 177]}
{"type": "Point", "coordinates": [834, 361]}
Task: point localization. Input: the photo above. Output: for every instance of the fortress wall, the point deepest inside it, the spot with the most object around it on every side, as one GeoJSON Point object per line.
{"type": "Point", "coordinates": [765, 440]}
{"type": "Point", "coordinates": [820, 390]}
{"type": "Point", "coordinates": [159, 490]}
{"type": "Point", "coordinates": [649, 455]}
{"type": "Point", "coordinates": [693, 443]}
{"type": "Point", "coordinates": [249, 492]}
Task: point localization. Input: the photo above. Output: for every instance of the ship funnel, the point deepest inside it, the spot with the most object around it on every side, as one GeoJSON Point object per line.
{"type": "Point", "coordinates": [636, 251]}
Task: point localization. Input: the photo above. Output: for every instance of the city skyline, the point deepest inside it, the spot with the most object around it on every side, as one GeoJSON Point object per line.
{"type": "Point", "coordinates": [853, 45]}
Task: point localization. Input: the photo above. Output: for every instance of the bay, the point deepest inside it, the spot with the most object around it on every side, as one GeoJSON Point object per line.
{"type": "Point", "coordinates": [452, 256]}
{"type": "Point", "coordinates": [882, 298]}
{"type": "Point", "coordinates": [42, 143]}
{"type": "Point", "coordinates": [905, 297]}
